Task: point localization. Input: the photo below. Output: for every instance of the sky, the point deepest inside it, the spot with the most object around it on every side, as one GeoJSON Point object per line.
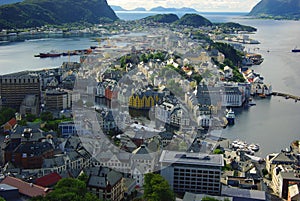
{"type": "Point", "coordinates": [199, 5]}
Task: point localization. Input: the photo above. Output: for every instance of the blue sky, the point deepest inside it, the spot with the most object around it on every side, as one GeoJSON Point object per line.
{"type": "Point", "coordinates": [200, 5]}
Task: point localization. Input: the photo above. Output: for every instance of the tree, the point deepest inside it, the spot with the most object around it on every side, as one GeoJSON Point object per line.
{"type": "Point", "coordinates": [157, 188]}
{"type": "Point", "coordinates": [46, 116]}
{"type": "Point", "coordinates": [6, 114]}
{"type": "Point", "coordinates": [68, 190]}
{"type": "Point", "coordinates": [218, 151]}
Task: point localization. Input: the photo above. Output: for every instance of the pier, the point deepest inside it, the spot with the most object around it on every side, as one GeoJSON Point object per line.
{"type": "Point", "coordinates": [286, 96]}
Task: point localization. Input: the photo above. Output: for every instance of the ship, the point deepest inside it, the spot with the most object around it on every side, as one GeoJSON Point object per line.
{"type": "Point", "coordinates": [48, 54]}
{"type": "Point", "coordinates": [295, 50]}
{"type": "Point", "coordinates": [230, 116]}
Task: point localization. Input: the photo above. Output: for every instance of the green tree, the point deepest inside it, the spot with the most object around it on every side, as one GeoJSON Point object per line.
{"type": "Point", "coordinates": [218, 151]}
{"type": "Point", "coordinates": [157, 188]}
{"type": "Point", "coordinates": [68, 190]}
{"type": "Point", "coordinates": [46, 116]}
{"type": "Point", "coordinates": [30, 117]}
{"type": "Point", "coordinates": [6, 114]}
{"type": "Point", "coordinates": [2, 199]}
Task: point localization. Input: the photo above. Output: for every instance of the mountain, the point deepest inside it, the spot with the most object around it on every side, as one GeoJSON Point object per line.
{"type": "Point", "coordinates": [33, 13]}
{"type": "Point", "coordinates": [139, 9]}
{"type": "Point", "coordinates": [162, 18]}
{"type": "Point", "coordinates": [117, 8]}
{"type": "Point", "coordinates": [278, 9]}
{"type": "Point", "coordinates": [3, 2]}
{"type": "Point", "coordinates": [194, 20]}
{"type": "Point", "coordinates": [163, 9]}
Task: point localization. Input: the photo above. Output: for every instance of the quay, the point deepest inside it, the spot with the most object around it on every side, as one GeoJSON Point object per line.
{"type": "Point", "coordinates": [287, 96]}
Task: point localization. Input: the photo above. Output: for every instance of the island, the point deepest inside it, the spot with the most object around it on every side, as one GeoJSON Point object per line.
{"type": "Point", "coordinates": [163, 9]}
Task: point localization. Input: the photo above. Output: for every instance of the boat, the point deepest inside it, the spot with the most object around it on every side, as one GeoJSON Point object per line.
{"type": "Point", "coordinates": [48, 54]}
{"type": "Point", "coordinates": [262, 95]}
{"type": "Point", "coordinates": [251, 102]}
{"type": "Point", "coordinates": [253, 147]}
{"type": "Point", "coordinates": [295, 50]}
{"type": "Point", "coordinates": [230, 116]}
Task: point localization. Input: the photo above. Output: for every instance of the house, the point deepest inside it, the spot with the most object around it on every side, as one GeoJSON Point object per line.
{"type": "Point", "coordinates": [9, 126]}
{"type": "Point", "coordinates": [48, 180]}
{"type": "Point", "coordinates": [27, 189]}
{"type": "Point", "coordinates": [107, 184]}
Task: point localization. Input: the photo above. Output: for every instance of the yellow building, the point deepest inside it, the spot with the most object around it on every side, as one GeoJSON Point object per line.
{"type": "Point", "coordinates": [144, 99]}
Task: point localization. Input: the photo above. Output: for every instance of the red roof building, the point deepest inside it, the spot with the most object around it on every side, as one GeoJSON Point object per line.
{"type": "Point", "coordinates": [27, 189]}
{"type": "Point", "coordinates": [48, 180]}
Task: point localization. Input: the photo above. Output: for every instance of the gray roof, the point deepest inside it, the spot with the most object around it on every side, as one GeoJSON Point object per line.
{"type": "Point", "coordinates": [290, 176]}
{"type": "Point", "coordinates": [100, 177]}
{"type": "Point", "coordinates": [283, 157]}
{"type": "Point", "coordinates": [5, 187]}
{"type": "Point", "coordinates": [243, 193]}
{"type": "Point", "coordinates": [191, 158]}
{"type": "Point", "coordinates": [198, 197]}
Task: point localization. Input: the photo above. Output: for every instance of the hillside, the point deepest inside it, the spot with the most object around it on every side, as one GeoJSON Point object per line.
{"type": "Point", "coordinates": [194, 20]}
{"type": "Point", "coordinates": [278, 9]}
{"type": "Point", "coordinates": [162, 18]}
{"type": "Point", "coordinates": [33, 13]}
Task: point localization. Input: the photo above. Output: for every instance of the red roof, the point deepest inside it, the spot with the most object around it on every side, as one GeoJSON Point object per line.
{"type": "Point", "coordinates": [48, 180]}
{"type": "Point", "coordinates": [12, 122]}
{"type": "Point", "coordinates": [28, 189]}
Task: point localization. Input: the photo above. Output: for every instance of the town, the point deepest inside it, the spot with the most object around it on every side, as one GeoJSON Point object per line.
{"type": "Point", "coordinates": [145, 102]}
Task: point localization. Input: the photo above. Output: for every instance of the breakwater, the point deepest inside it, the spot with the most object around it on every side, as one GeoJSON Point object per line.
{"type": "Point", "coordinates": [286, 96]}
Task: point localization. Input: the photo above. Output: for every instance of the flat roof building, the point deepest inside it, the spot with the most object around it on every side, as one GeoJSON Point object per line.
{"type": "Point", "coordinates": [192, 172]}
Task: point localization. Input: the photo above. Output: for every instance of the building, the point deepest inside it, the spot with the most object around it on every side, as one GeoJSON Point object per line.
{"type": "Point", "coordinates": [27, 189]}
{"type": "Point", "coordinates": [243, 194]}
{"type": "Point", "coordinates": [9, 192]}
{"type": "Point", "coordinates": [56, 100]}
{"type": "Point", "coordinates": [192, 172]}
{"type": "Point", "coordinates": [14, 87]}
{"type": "Point", "coordinates": [27, 153]}
{"type": "Point", "coordinates": [67, 129]}
{"type": "Point", "coordinates": [107, 184]}
{"type": "Point", "coordinates": [144, 99]}
{"type": "Point", "coordinates": [30, 105]}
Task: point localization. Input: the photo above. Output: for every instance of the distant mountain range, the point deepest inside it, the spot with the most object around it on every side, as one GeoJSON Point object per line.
{"type": "Point", "coordinates": [277, 9]}
{"type": "Point", "coordinates": [3, 2]}
{"type": "Point", "coordinates": [163, 9]}
{"type": "Point", "coordinates": [157, 9]}
{"type": "Point", "coordinates": [33, 13]}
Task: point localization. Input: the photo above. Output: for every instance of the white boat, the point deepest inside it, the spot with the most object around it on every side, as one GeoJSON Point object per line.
{"type": "Point", "coordinates": [251, 102]}
{"type": "Point", "coordinates": [230, 116]}
{"type": "Point", "coordinates": [253, 147]}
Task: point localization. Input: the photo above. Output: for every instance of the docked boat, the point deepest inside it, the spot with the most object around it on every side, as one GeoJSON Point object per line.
{"type": "Point", "coordinates": [295, 50]}
{"type": "Point", "coordinates": [253, 147]}
{"type": "Point", "coordinates": [48, 54]}
{"type": "Point", "coordinates": [251, 102]}
{"type": "Point", "coordinates": [230, 116]}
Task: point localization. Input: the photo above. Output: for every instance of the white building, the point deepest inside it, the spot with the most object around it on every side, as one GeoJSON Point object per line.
{"type": "Point", "coordinates": [192, 172]}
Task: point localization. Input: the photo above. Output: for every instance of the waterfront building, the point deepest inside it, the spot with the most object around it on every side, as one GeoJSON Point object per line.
{"type": "Point", "coordinates": [192, 172]}
{"type": "Point", "coordinates": [14, 88]}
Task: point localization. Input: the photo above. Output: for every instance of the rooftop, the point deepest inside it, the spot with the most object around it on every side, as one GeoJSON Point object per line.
{"type": "Point", "coordinates": [191, 158]}
{"type": "Point", "coordinates": [28, 189]}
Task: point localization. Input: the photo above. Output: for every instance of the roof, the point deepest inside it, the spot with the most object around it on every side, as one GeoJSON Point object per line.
{"type": "Point", "coordinates": [243, 193]}
{"type": "Point", "coordinates": [48, 180]}
{"type": "Point", "coordinates": [12, 122]}
{"type": "Point", "coordinates": [100, 177]}
{"type": "Point", "coordinates": [186, 158]}
{"type": "Point", "coordinates": [198, 197]}
{"type": "Point", "coordinates": [5, 187]}
{"type": "Point", "coordinates": [28, 189]}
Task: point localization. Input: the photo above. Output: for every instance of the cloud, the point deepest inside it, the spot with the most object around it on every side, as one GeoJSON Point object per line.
{"type": "Point", "coordinates": [200, 5]}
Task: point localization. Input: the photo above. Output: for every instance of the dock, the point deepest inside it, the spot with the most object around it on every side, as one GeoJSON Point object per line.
{"type": "Point", "coordinates": [286, 96]}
